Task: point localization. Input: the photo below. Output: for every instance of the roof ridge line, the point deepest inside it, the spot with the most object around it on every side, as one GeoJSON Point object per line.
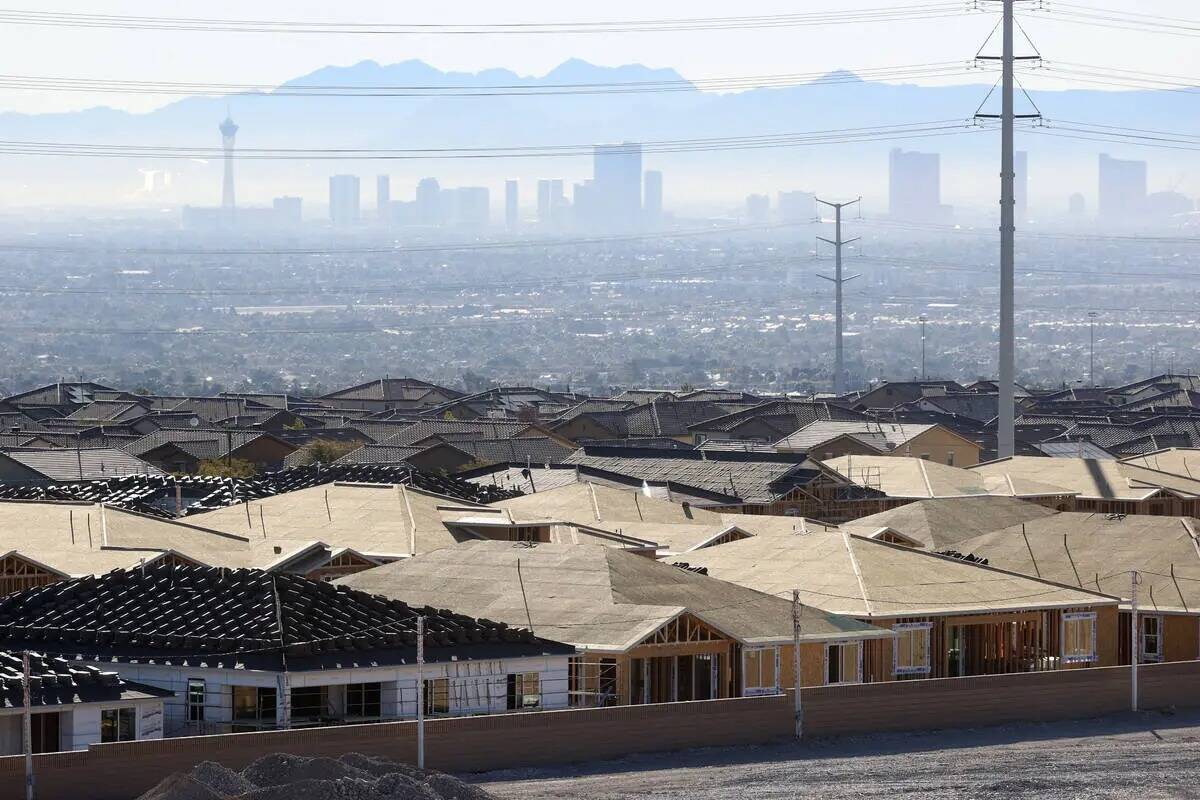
{"type": "Point", "coordinates": [862, 587]}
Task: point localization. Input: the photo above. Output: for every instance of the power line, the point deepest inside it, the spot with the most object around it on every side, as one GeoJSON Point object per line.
{"type": "Point", "coordinates": [714, 84]}
{"type": "Point", "coordinates": [898, 13]}
{"type": "Point", "coordinates": [1119, 20]}
{"type": "Point", "coordinates": [913, 130]}
{"type": "Point", "coordinates": [954, 229]}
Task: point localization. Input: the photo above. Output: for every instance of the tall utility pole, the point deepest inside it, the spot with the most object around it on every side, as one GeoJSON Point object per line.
{"type": "Point", "coordinates": [1005, 422]}
{"type": "Point", "coordinates": [27, 725]}
{"type": "Point", "coordinates": [1134, 643]}
{"type": "Point", "coordinates": [924, 319]}
{"type": "Point", "coordinates": [1092, 348]}
{"type": "Point", "coordinates": [799, 710]}
{"type": "Point", "coordinates": [838, 280]}
{"type": "Point", "coordinates": [421, 692]}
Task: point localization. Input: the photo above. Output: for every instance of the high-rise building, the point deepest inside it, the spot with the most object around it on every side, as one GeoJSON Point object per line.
{"type": "Point", "coordinates": [288, 209]}
{"type": "Point", "coordinates": [1122, 189]}
{"type": "Point", "coordinates": [512, 206]}
{"type": "Point", "coordinates": [915, 186]}
{"type": "Point", "coordinates": [758, 209]}
{"type": "Point", "coordinates": [1021, 185]}
{"type": "Point", "coordinates": [797, 207]}
{"type": "Point", "coordinates": [617, 186]}
{"type": "Point", "coordinates": [472, 208]}
{"type": "Point", "coordinates": [654, 197]}
{"type": "Point", "coordinates": [383, 196]}
{"type": "Point", "coordinates": [544, 208]}
{"type": "Point", "coordinates": [228, 141]}
{"type": "Point", "coordinates": [344, 202]}
{"type": "Point", "coordinates": [429, 202]}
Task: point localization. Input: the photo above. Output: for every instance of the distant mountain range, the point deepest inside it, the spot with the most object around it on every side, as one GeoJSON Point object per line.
{"type": "Point", "coordinates": [268, 121]}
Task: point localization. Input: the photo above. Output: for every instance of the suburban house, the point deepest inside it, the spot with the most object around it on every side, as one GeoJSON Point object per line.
{"type": "Point", "coordinates": [245, 650]}
{"type": "Point", "coordinates": [387, 394]}
{"type": "Point", "coordinates": [183, 451]}
{"type": "Point", "coordinates": [73, 705]}
{"type": "Point", "coordinates": [1104, 486]}
{"type": "Point", "coordinates": [1102, 552]}
{"type": "Point", "coordinates": [952, 617]}
{"type": "Point", "coordinates": [646, 631]}
{"type": "Point", "coordinates": [828, 439]}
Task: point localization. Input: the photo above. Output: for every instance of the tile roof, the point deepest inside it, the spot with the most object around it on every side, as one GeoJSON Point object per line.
{"type": "Point", "coordinates": [750, 477]}
{"type": "Point", "coordinates": [65, 465]}
{"type": "Point", "coordinates": [884, 436]}
{"type": "Point", "coordinates": [786, 416]}
{"type": "Point", "coordinates": [261, 619]}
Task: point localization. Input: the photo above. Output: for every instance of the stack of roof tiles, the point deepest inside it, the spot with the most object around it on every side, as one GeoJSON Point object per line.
{"type": "Point", "coordinates": [173, 612]}
{"type": "Point", "coordinates": [155, 494]}
{"type": "Point", "coordinates": [52, 681]}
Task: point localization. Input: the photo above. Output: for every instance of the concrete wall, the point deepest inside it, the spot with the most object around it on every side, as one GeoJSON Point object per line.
{"type": "Point", "coordinates": [122, 771]}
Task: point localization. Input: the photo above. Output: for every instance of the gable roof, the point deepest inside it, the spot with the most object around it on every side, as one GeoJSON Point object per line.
{"type": "Point", "coordinates": [595, 597]}
{"type": "Point", "coordinates": [1098, 552]}
{"type": "Point", "coordinates": [263, 620]}
{"type": "Point", "coordinates": [753, 478]}
{"type": "Point", "coordinates": [1091, 479]}
{"type": "Point", "coordinates": [917, 478]}
{"type": "Point", "coordinates": [942, 523]}
{"type": "Point", "coordinates": [64, 465]}
{"type": "Point", "coordinates": [883, 436]}
{"type": "Point", "coordinates": [866, 578]}
{"type": "Point", "coordinates": [783, 416]}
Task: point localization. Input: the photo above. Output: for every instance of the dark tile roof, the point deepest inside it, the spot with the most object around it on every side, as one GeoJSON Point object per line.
{"type": "Point", "coordinates": [786, 416]}
{"type": "Point", "coordinates": [53, 681]}
{"type": "Point", "coordinates": [483, 428]}
{"type": "Point", "coordinates": [253, 617]}
{"type": "Point", "coordinates": [753, 477]}
{"type": "Point", "coordinates": [211, 442]}
{"type": "Point", "coordinates": [535, 449]}
{"type": "Point", "coordinates": [65, 465]}
{"type": "Point", "coordinates": [399, 389]}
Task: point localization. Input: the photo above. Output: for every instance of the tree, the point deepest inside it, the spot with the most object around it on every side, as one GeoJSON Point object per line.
{"type": "Point", "coordinates": [233, 468]}
{"type": "Point", "coordinates": [324, 452]}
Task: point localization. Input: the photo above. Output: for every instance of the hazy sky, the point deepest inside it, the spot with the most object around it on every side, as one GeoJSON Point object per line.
{"type": "Point", "coordinates": [269, 58]}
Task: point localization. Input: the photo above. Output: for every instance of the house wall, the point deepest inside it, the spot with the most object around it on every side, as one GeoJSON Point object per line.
{"type": "Point", "coordinates": [1181, 637]}
{"type": "Point", "coordinates": [477, 687]}
{"type": "Point", "coordinates": [122, 771]}
{"type": "Point", "coordinates": [939, 443]}
{"type": "Point", "coordinates": [79, 724]}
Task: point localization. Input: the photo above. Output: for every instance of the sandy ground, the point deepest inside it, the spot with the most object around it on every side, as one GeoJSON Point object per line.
{"type": "Point", "coordinates": [1142, 756]}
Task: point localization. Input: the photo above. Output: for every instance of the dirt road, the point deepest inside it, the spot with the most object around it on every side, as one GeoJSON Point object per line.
{"type": "Point", "coordinates": [1147, 756]}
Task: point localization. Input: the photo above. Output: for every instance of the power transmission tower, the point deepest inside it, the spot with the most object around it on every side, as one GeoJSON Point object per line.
{"type": "Point", "coordinates": [838, 280]}
{"type": "Point", "coordinates": [1005, 422]}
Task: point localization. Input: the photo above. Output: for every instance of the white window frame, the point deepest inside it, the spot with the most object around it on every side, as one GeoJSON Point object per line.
{"type": "Point", "coordinates": [754, 691]}
{"type": "Point", "coordinates": [196, 711]}
{"type": "Point", "coordinates": [1145, 656]}
{"type": "Point", "coordinates": [858, 662]}
{"type": "Point", "coordinates": [1077, 616]}
{"type": "Point", "coordinates": [901, 629]}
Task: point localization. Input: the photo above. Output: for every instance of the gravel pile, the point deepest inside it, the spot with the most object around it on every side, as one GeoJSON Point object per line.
{"type": "Point", "coordinates": [286, 777]}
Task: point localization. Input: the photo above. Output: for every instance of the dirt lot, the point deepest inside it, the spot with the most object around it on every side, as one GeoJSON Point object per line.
{"type": "Point", "coordinates": [1145, 756]}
